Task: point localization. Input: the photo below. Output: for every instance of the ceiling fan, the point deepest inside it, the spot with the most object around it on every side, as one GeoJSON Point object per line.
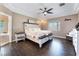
{"type": "Point", "coordinates": [46, 11]}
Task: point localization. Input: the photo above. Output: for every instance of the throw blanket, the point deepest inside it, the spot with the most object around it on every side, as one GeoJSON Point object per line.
{"type": "Point", "coordinates": [44, 36]}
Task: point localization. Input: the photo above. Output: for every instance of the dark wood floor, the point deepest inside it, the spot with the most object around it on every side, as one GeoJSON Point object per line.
{"type": "Point", "coordinates": [55, 47]}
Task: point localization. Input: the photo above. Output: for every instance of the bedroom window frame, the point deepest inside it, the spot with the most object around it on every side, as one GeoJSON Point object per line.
{"type": "Point", "coordinates": [54, 23]}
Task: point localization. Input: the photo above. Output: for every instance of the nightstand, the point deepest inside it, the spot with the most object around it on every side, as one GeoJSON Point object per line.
{"type": "Point", "coordinates": [19, 36]}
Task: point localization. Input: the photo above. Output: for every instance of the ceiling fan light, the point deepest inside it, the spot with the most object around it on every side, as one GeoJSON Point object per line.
{"type": "Point", "coordinates": [45, 13]}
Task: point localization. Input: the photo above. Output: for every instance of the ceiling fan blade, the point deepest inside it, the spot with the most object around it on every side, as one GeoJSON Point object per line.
{"type": "Point", "coordinates": [43, 12]}
{"type": "Point", "coordinates": [45, 9]}
{"type": "Point", "coordinates": [41, 9]}
{"type": "Point", "coordinates": [49, 9]}
{"type": "Point", "coordinates": [50, 12]}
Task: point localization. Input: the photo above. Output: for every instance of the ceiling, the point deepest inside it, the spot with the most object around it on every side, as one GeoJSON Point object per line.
{"type": "Point", "coordinates": [32, 9]}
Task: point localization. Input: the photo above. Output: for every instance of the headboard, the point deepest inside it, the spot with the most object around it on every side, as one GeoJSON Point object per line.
{"type": "Point", "coordinates": [31, 26]}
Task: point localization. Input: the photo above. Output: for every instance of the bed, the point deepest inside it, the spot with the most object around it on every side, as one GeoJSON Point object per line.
{"type": "Point", "coordinates": [35, 34]}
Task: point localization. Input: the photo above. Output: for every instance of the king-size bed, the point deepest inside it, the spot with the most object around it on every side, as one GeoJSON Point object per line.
{"type": "Point", "coordinates": [35, 34]}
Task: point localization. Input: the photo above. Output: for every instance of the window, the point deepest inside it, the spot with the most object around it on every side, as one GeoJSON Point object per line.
{"type": "Point", "coordinates": [54, 25]}
{"type": "Point", "coordinates": [1, 26]}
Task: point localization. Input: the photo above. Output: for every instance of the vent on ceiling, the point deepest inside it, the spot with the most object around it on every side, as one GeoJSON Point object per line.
{"type": "Point", "coordinates": [61, 4]}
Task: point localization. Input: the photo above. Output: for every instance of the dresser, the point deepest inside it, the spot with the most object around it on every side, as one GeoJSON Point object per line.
{"type": "Point", "coordinates": [77, 43]}
{"type": "Point", "coordinates": [74, 36]}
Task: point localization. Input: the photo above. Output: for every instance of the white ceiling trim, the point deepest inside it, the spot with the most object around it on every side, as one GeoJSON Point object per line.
{"type": "Point", "coordinates": [32, 9]}
{"type": "Point", "coordinates": [76, 8]}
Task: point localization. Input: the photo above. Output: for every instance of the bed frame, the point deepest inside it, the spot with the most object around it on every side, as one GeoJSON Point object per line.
{"type": "Point", "coordinates": [38, 41]}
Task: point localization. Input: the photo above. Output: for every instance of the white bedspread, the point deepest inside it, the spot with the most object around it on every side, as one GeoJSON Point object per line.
{"type": "Point", "coordinates": [37, 33]}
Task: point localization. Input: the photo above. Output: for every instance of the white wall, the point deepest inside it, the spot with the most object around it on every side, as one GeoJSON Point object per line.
{"type": "Point", "coordinates": [65, 26]}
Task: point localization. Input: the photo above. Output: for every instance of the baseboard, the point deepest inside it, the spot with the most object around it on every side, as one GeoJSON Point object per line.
{"type": "Point", "coordinates": [60, 37]}
{"type": "Point", "coordinates": [13, 40]}
{"type": "Point", "coordinates": [7, 43]}
{"type": "Point", "coordinates": [4, 43]}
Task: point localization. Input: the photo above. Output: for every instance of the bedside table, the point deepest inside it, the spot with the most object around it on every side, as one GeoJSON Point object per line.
{"type": "Point", "coordinates": [19, 36]}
